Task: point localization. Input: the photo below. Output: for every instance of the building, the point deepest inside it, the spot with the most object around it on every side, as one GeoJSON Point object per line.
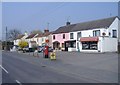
{"type": "Point", "coordinates": [31, 40]}
{"type": "Point", "coordinates": [95, 36]}
{"type": "Point", "coordinates": [61, 35]}
{"type": "Point", "coordinates": [19, 38]}
{"type": "Point", "coordinates": [44, 38]}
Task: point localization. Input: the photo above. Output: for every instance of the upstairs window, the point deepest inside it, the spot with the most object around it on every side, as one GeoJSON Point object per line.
{"type": "Point", "coordinates": [63, 36]}
{"type": "Point", "coordinates": [78, 35]}
{"type": "Point", "coordinates": [114, 32]}
{"type": "Point", "coordinates": [71, 36]}
{"type": "Point", "coordinates": [53, 37]}
{"type": "Point", "coordinates": [96, 33]}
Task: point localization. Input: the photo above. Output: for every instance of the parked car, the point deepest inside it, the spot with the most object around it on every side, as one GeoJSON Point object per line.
{"type": "Point", "coordinates": [50, 49]}
{"type": "Point", "coordinates": [26, 49]}
{"type": "Point", "coordinates": [40, 48]}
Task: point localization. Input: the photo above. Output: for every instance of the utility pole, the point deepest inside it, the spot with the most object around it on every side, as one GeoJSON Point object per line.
{"type": "Point", "coordinates": [6, 37]}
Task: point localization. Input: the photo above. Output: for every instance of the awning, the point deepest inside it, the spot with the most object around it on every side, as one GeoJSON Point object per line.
{"type": "Point", "coordinates": [87, 39]}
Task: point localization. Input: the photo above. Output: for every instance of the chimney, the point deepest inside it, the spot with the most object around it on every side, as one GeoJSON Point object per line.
{"type": "Point", "coordinates": [67, 23]}
{"type": "Point", "coordinates": [46, 30]}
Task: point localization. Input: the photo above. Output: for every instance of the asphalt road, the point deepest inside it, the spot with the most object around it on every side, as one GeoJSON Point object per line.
{"type": "Point", "coordinates": [16, 70]}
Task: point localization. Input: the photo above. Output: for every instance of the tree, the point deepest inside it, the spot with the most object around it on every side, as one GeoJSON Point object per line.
{"type": "Point", "coordinates": [36, 31]}
{"type": "Point", "coordinates": [22, 44]}
{"type": "Point", "coordinates": [13, 34]}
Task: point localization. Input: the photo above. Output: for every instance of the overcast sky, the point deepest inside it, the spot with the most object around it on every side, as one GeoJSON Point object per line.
{"type": "Point", "coordinates": [27, 16]}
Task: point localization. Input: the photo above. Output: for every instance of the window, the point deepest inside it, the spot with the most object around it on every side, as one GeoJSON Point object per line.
{"type": "Point", "coordinates": [63, 36]}
{"type": "Point", "coordinates": [53, 36]}
{"type": "Point", "coordinates": [96, 33]}
{"type": "Point", "coordinates": [89, 45]}
{"type": "Point", "coordinates": [78, 35]}
{"type": "Point", "coordinates": [72, 44]}
{"type": "Point", "coordinates": [114, 33]}
{"type": "Point", "coordinates": [71, 35]}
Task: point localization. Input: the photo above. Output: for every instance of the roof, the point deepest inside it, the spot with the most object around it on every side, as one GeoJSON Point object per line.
{"type": "Point", "coordinates": [31, 36]}
{"type": "Point", "coordinates": [44, 34]}
{"type": "Point", "coordinates": [64, 29]}
{"type": "Point", "coordinates": [19, 37]}
{"type": "Point", "coordinates": [95, 24]}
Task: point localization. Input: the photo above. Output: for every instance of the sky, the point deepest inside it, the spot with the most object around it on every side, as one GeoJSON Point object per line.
{"type": "Point", "coordinates": [28, 16]}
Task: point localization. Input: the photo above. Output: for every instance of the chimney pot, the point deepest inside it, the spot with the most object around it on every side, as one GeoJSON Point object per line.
{"type": "Point", "coordinates": [67, 23]}
{"type": "Point", "coordinates": [46, 30]}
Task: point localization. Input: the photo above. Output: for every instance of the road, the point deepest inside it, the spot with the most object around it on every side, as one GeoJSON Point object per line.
{"type": "Point", "coordinates": [70, 67]}
{"type": "Point", "coordinates": [17, 70]}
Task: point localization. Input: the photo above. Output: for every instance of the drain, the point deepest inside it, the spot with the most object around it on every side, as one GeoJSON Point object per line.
{"type": "Point", "coordinates": [43, 66]}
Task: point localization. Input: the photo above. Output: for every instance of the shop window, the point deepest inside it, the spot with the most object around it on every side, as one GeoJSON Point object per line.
{"type": "Point", "coordinates": [54, 37]}
{"type": "Point", "coordinates": [78, 35]}
{"type": "Point", "coordinates": [89, 45]}
{"type": "Point", "coordinates": [71, 36]}
{"type": "Point", "coordinates": [96, 33]}
{"type": "Point", "coordinates": [72, 44]}
{"type": "Point", "coordinates": [63, 36]}
{"type": "Point", "coordinates": [114, 33]}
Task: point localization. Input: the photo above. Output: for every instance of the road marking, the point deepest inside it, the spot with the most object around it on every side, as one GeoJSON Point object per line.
{"type": "Point", "coordinates": [18, 82]}
{"type": "Point", "coordinates": [4, 69]}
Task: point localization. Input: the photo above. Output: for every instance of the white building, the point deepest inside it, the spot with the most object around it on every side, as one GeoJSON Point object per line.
{"type": "Point", "coordinates": [44, 38]}
{"type": "Point", "coordinates": [20, 38]}
{"type": "Point", "coordinates": [32, 40]}
{"type": "Point", "coordinates": [95, 36]}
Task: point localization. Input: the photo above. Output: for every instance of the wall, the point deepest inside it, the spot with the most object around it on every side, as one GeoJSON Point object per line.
{"type": "Point", "coordinates": [113, 26]}
{"type": "Point", "coordinates": [16, 42]}
{"type": "Point", "coordinates": [50, 40]}
{"type": "Point", "coordinates": [59, 38]}
{"type": "Point", "coordinates": [109, 44]}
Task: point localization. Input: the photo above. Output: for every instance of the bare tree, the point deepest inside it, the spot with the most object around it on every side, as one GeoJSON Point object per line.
{"type": "Point", "coordinates": [13, 34]}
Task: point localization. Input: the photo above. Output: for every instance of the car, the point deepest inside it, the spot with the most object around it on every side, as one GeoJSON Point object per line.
{"type": "Point", "coordinates": [26, 49]}
{"type": "Point", "coordinates": [40, 48]}
{"type": "Point", "coordinates": [50, 49]}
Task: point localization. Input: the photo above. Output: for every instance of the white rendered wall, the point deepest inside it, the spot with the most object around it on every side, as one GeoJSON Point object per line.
{"type": "Point", "coordinates": [114, 26]}
{"type": "Point", "coordinates": [109, 44]}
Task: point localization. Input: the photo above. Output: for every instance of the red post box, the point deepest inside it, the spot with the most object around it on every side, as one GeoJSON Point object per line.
{"type": "Point", "coordinates": [46, 52]}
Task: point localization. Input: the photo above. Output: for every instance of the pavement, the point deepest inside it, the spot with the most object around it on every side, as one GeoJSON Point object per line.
{"type": "Point", "coordinates": [70, 67]}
